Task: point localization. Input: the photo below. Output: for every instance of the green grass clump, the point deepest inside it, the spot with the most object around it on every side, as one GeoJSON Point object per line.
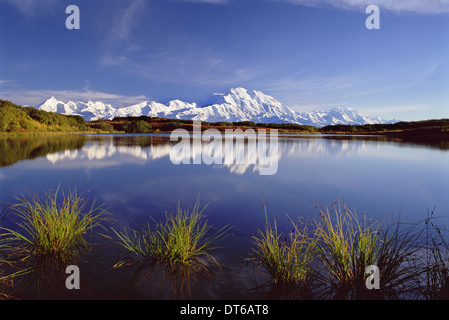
{"type": "Point", "coordinates": [53, 226]}
{"type": "Point", "coordinates": [182, 242]}
{"type": "Point", "coordinates": [288, 259]}
{"type": "Point", "coordinates": [346, 247]}
{"type": "Point", "coordinates": [330, 260]}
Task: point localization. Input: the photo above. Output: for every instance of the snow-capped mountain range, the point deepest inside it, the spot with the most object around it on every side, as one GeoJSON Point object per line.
{"type": "Point", "coordinates": [238, 104]}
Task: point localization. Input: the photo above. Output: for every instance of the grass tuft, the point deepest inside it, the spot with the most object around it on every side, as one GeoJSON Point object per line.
{"type": "Point", "coordinates": [52, 226]}
{"type": "Point", "coordinates": [345, 246]}
{"type": "Point", "coordinates": [288, 259]}
{"type": "Point", "coordinates": [331, 260]}
{"type": "Point", "coordinates": [182, 242]}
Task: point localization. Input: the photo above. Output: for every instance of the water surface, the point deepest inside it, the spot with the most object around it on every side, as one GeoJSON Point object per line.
{"type": "Point", "coordinates": [134, 177]}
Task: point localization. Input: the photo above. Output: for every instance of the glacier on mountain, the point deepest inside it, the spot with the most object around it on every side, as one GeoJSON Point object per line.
{"type": "Point", "coordinates": [238, 104]}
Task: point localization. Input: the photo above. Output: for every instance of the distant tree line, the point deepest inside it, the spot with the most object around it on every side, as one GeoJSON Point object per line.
{"type": "Point", "coordinates": [438, 126]}
{"type": "Point", "coordinates": [252, 124]}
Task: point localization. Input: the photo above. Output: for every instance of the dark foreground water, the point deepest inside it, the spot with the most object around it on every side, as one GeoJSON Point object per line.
{"type": "Point", "coordinates": [135, 178]}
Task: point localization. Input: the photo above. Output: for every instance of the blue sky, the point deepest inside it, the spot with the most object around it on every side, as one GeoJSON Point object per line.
{"type": "Point", "coordinates": [308, 54]}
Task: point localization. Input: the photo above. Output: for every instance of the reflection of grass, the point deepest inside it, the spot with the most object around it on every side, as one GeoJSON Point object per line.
{"type": "Point", "coordinates": [49, 226]}
{"type": "Point", "coordinates": [346, 247]}
{"type": "Point", "coordinates": [51, 233]}
{"type": "Point", "coordinates": [7, 284]}
{"type": "Point", "coordinates": [6, 279]}
{"type": "Point", "coordinates": [182, 242]}
{"type": "Point", "coordinates": [434, 281]}
{"type": "Point", "coordinates": [326, 258]}
{"type": "Point", "coordinates": [286, 259]}
{"type": "Point", "coordinates": [331, 260]}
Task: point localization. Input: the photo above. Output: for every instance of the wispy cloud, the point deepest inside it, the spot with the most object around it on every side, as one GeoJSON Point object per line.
{"type": "Point", "coordinates": [196, 67]}
{"type": "Point", "coordinates": [35, 97]}
{"type": "Point", "coordinates": [118, 34]}
{"type": "Point", "coordinates": [127, 20]}
{"type": "Point", "coordinates": [406, 112]}
{"type": "Point", "coordinates": [31, 8]}
{"type": "Point", "coordinates": [305, 90]}
{"type": "Point", "coordinates": [417, 6]}
{"type": "Point", "coordinates": [395, 109]}
{"type": "Point", "coordinates": [177, 59]}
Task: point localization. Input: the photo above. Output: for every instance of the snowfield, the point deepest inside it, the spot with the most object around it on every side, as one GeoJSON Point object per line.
{"type": "Point", "coordinates": [238, 104]}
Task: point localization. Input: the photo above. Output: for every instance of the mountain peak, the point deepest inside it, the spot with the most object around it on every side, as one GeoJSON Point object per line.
{"type": "Point", "coordinates": [52, 99]}
{"type": "Point", "coordinates": [239, 90]}
{"type": "Point", "coordinates": [341, 109]}
{"type": "Point", "coordinates": [234, 105]}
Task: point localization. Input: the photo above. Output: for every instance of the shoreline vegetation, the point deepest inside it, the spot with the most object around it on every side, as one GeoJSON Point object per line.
{"type": "Point", "coordinates": [320, 259]}
{"type": "Point", "coordinates": [16, 120]}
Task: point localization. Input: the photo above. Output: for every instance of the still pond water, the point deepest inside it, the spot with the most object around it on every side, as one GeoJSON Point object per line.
{"type": "Point", "coordinates": [134, 178]}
